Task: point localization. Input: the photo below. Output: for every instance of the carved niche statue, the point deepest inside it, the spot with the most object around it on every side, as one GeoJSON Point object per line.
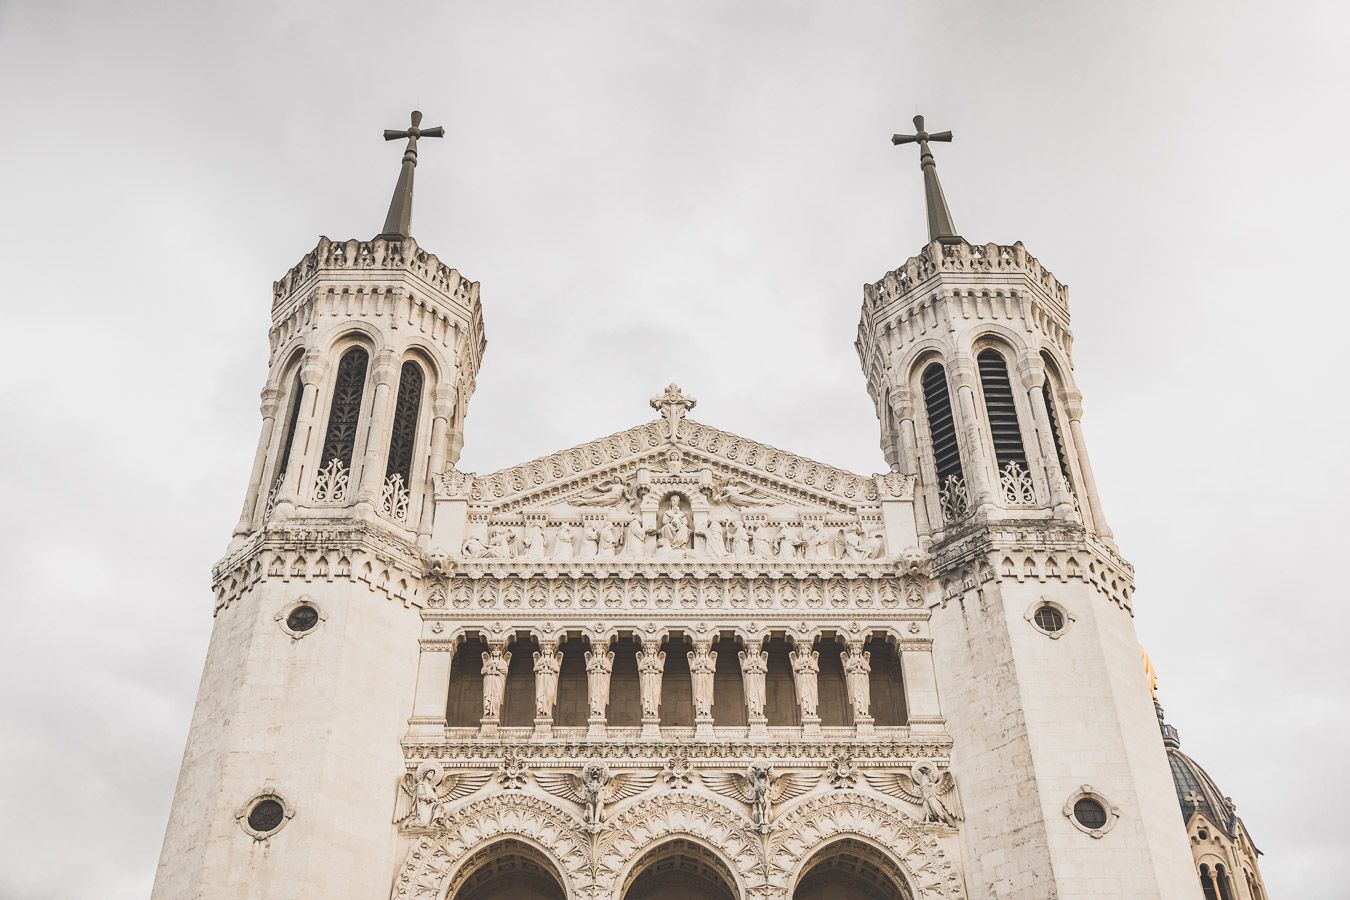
{"type": "Point", "coordinates": [754, 669]}
{"type": "Point", "coordinates": [675, 532]}
{"type": "Point", "coordinates": [546, 668]}
{"type": "Point", "coordinates": [857, 676]}
{"type": "Point", "coordinates": [428, 791]}
{"type": "Point", "coordinates": [702, 670]}
{"type": "Point", "coordinates": [599, 663]}
{"type": "Point", "coordinates": [805, 668]}
{"type": "Point", "coordinates": [651, 664]}
{"type": "Point", "coordinates": [496, 662]}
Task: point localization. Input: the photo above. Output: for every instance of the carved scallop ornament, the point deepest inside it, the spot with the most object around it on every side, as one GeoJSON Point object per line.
{"type": "Point", "coordinates": [300, 617]}
{"type": "Point", "coordinates": [1049, 618]}
{"type": "Point", "coordinates": [264, 815]}
{"type": "Point", "coordinates": [1090, 812]}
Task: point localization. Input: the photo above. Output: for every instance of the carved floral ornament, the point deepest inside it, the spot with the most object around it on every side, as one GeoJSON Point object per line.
{"type": "Point", "coordinates": [597, 862]}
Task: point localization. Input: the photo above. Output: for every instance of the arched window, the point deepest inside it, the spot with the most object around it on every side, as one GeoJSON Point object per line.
{"type": "Point", "coordinates": [402, 439]}
{"type": "Point", "coordinates": [339, 441]}
{"type": "Point", "coordinates": [1001, 411]}
{"type": "Point", "coordinates": [1225, 886]}
{"type": "Point", "coordinates": [1055, 431]}
{"type": "Point", "coordinates": [946, 451]}
{"type": "Point", "coordinates": [1207, 884]}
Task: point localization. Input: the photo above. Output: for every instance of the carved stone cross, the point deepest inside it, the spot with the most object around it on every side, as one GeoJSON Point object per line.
{"type": "Point", "coordinates": [398, 223]}
{"type": "Point", "coordinates": [673, 405]}
{"type": "Point", "coordinates": [1194, 800]}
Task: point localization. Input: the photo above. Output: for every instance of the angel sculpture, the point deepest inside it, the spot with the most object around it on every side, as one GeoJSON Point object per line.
{"type": "Point", "coordinates": [427, 791]}
{"type": "Point", "coordinates": [609, 492]}
{"type": "Point", "coordinates": [595, 788]}
{"type": "Point", "coordinates": [740, 495]}
{"type": "Point", "coordinates": [761, 789]}
{"type": "Point", "coordinates": [935, 793]}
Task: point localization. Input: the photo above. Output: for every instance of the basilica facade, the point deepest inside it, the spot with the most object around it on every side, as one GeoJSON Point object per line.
{"type": "Point", "coordinates": [673, 661]}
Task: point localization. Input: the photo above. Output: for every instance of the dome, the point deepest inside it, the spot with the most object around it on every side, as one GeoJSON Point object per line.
{"type": "Point", "coordinates": [1197, 793]}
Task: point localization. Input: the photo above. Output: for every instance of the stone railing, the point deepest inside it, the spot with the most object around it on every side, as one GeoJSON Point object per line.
{"type": "Point", "coordinates": [965, 258]}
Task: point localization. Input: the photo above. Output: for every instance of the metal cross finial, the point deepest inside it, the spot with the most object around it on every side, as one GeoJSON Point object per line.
{"type": "Point", "coordinates": [673, 404]}
{"type": "Point", "coordinates": [399, 221]}
{"type": "Point", "coordinates": [940, 227]}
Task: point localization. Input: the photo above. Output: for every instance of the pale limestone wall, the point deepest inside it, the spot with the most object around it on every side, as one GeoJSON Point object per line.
{"type": "Point", "coordinates": [319, 721]}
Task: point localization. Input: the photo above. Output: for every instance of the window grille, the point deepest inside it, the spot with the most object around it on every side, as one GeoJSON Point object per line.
{"type": "Point", "coordinates": [937, 403]}
{"type": "Point", "coordinates": [339, 441]}
{"type": "Point", "coordinates": [1001, 411]}
{"type": "Point", "coordinates": [398, 469]}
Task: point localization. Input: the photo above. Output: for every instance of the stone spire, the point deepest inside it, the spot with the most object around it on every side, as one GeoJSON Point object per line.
{"type": "Point", "coordinates": [940, 226]}
{"type": "Point", "coordinates": [398, 223]}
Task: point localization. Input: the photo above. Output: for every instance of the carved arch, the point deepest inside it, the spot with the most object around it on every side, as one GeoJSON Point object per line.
{"type": "Point", "coordinates": [725, 834]}
{"type": "Point", "coordinates": [914, 849]}
{"type": "Point", "coordinates": [434, 862]}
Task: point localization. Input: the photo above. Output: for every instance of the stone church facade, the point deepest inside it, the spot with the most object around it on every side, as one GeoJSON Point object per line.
{"type": "Point", "coordinates": [674, 661]}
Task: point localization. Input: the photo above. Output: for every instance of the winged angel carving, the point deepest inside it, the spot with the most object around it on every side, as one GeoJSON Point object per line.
{"type": "Point", "coordinates": [610, 492]}
{"type": "Point", "coordinates": [760, 788]}
{"type": "Point", "coordinates": [742, 495]}
{"type": "Point", "coordinates": [428, 791]}
{"type": "Point", "coordinates": [925, 787]}
{"type": "Point", "coordinates": [595, 788]}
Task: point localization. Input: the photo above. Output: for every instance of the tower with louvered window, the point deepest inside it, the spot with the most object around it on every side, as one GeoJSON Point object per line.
{"type": "Point", "coordinates": [967, 353]}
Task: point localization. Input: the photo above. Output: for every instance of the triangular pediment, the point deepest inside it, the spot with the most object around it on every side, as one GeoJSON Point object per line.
{"type": "Point", "coordinates": [740, 473]}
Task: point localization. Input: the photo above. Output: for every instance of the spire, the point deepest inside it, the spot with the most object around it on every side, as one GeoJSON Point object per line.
{"type": "Point", "coordinates": [940, 227]}
{"type": "Point", "coordinates": [399, 221]}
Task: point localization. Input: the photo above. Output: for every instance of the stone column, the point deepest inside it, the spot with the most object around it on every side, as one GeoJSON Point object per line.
{"type": "Point", "coordinates": [442, 408]}
{"type": "Point", "coordinates": [433, 689]}
{"type": "Point", "coordinates": [384, 376]}
{"type": "Point", "coordinates": [858, 677]}
{"type": "Point", "coordinates": [311, 376]}
{"type": "Point", "coordinates": [1033, 379]}
{"type": "Point", "coordinates": [920, 684]}
{"type": "Point", "coordinates": [964, 375]}
{"type": "Point", "coordinates": [754, 670]}
{"type": "Point", "coordinates": [1073, 408]}
{"type": "Point", "coordinates": [902, 403]}
{"type": "Point", "coordinates": [651, 665]}
{"type": "Point", "coordinates": [702, 670]}
{"type": "Point", "coordinates": [599, 664]}
{"type": "Point", "coordinates": [496, 663]}
{"type": "Point", "coordinates": [269, 413]}
{"type": "Point", "coordinates": [805, 669]}
{"type": "Point", "coordinates": [547, 664]}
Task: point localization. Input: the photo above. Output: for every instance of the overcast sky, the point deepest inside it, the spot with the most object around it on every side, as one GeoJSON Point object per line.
{"type": "Point", "coordinates": [653, 192]}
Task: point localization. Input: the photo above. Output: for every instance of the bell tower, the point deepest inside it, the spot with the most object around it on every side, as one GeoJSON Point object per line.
{"type": "Point", "coordinates": [967, 353]}
{"type": "Point", "coordinates": [374, 350]}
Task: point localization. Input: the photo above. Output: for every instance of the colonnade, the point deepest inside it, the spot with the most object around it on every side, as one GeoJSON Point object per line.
{"type": "Point", "coordinates": [635, 684]}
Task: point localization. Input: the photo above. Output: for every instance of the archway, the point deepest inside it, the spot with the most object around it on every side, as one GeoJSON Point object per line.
{"type": "Point", "coordinates": [680, 870]}
{"type": "Point", "coordinates": [848, 869]}
{"type": "Point", "coordinates": [508, 870]}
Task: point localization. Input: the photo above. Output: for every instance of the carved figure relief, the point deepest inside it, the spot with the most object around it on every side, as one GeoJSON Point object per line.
{"type": "Point", "coordinates": [595, 788]}
{"type": "Point", "coordinates": [563, 546]}
{"type": "Point", "coordinates": [740, 495]}
{"type": "Point", "coordinates": [676, 531]}
{"type": "Point", "coordinates": [702, 668]}
{"type": "Point", "coordinates": [760, 788]}
{"type": "Point", "coordinates": [754, 670]}
{"type": "Point", "coordinates": [933, 792]}
{"type": "Point", "coordinates": [651, 664]}
{"type": "Point", "coordinates": [547, 664]}
{"type": "Point", "coordinates": [496, 662]}
{"type": "Point", "coordinates": [426, 792]}
{"type": "Point", "coordinates": [805, 669]}
{"type": "Point", "coordinates": [858, 678]}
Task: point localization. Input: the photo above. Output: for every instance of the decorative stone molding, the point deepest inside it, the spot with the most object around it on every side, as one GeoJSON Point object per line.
{"type": "Point", "coordinates": [819, 820]}
{"type": "Point", "coordinates": [628, 747]}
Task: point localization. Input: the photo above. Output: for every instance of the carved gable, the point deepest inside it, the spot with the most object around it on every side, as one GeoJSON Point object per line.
{"type": "Point", "coordinates": [670, 490]}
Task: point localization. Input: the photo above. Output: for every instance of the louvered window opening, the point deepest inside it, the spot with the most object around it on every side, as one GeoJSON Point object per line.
{"type": "Point", "coordinates": [1055, 432]}
{"type": "Point", "coordinates": [406, 410]}
{"type": "Point", "coordinates": [941, 424]}
{"type": "Point", "coordinates": [292, 418]}
{"type": "Point", "coordinates": [1000, 409]}
{"type": "Point", "coordinates": [339, 441]}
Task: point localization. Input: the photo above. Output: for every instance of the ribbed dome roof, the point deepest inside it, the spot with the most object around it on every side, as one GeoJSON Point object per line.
{"type": "Point", "coordinates": [1197, 792]}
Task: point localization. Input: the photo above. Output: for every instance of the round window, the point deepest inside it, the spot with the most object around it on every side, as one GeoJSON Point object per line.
{"type": "Point", "coordinates": [266, 816]}
{"type": "Point", "coordinates": [302, 618]}
{"type": "Point", "coordinates": [1089, 813]}
{"type": "Point", "coordinates": [1049, 619]}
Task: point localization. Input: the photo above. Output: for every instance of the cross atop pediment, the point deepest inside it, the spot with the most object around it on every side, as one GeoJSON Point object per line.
{"type": "Point", "coordinates": [673, 404]}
